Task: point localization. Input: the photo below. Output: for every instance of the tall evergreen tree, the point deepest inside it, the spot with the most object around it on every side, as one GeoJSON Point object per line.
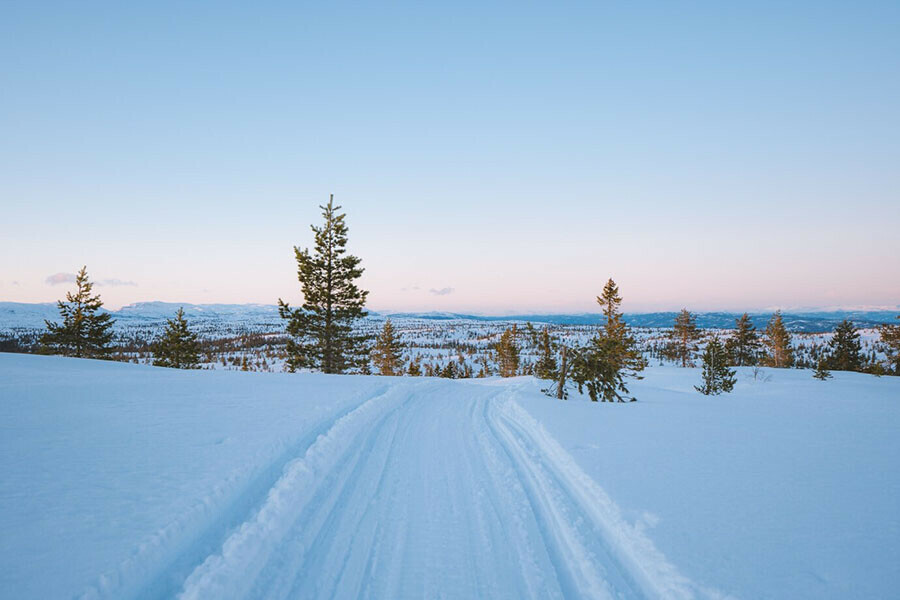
{"type": "Point", "coordinates": [178, 347]}
{"type": "Point", "coordinates": [506, 353]}
{"type": "Point", "coordinates": [845, 348]}
{"type": "Point", "coordinates": [743, 346]}
{"type": "Point", "coordinates": [683, 339]}
{"type": "Point", "coordinates": [612, 354]}
{"type": "Point", "coordinates": [388, 352]}
{"type": "Point", "coordinates": [778, 342]}
{"type": "Point", "coordinates": [545, 367]}
{"type": "Point", "coordinates": [890, 337]}
{"type": "Point", "coordinates": [717, 377]}
{"type": "Point", "coordinates": [84, 332]}
{"type": "Point", "coordinates": [321, 331]}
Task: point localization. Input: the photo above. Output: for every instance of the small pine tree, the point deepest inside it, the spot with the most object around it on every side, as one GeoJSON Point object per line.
{"type": "Point", "coordinates": [778, 342]}
{"type": "Point", "coordinates": [846, 349]}
{"type": "Point", "coordinates": [506, 353]}
{"type": "Point", "coordinates": [683, 339]}
{"type": "Point", "coordinates": [545, 367]}
{"type": "Point", "coordinates": [178, 347]}
{"type": "Point", "coordinates": [890, 337]}
{"type": "Point", "coordinates": [321, 331]}
{"type": "Point", "coordinates": [743, 346]}
{"type": "Point", "coordinates": [388, 352]}
{"type": "Point", "coordinates": [449, 371]}
{"type": "Point", "coordinates": [84, 333]}
{"type": "Point", "coordinates": [717, 377]}
{"type": "Point", "coordinates": [415, 367]}
{"type": "Point", "coordinates": [821, 373]}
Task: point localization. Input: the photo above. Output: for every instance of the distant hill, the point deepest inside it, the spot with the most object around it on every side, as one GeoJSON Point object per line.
{"type": "Point", "coordinates": [801, 321]}
{"type": "Point", "coordinates": [231, 318]}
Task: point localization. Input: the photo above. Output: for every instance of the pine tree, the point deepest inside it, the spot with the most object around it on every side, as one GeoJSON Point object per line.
{"type": "Point", "coordinates": [545, 367]}
{"type": "Point", "coordinates": [743, 346]}
{"type": "Point", "coordinates": [821, 373]}
{"type": "Point", "coordinates": [84, 332]}
{"type": "Point", "coordinates": [683, 339]}
{"type": "Point", "coordinates": [846, 349]}
{"type": "Point", "coordinates": [612, 355]}
{"type": "Point", "coordinates": [388, 352]}
{"type": "Point", "coordinates": [485, 367]}
{"type": "Point", "coordinates": [178, 347]}
{"type": "Point", "coordinates": [506, 353]}
{"type": "Point", "coordinates": [778, 342]}
{"type": "Point", "coordinates": [415, 367]}
{"type": "Point", "coordinates": [449, 371]}
{"type": "Point", "coordinates": [890, 337]}
{"type": "Point", "coordinates": [321, 331]}
{"type": "Point", "coordinates": [717, 377]}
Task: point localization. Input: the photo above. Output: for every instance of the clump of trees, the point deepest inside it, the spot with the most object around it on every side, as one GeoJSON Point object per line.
{"type": "Point", "coordinates": [717, 377]}
{"type": "Point", "coordinates": [178, 347]}
{"type": "Point", "coordinates": [506, 353]}
{"type": "Point", "coordinates": [321, 332]}
{"type": "Point", "coordinates": [545, 367]}
{"type": "Point", "coordinates": [890, 337]}
{"type": "Point", "coordinates": [683, 339]}
{"type": "Point", "coordinates": [845, 349]}
{"type": "Point", "coordinates": [610, 357]}
{"type": "Point", "coordinates": [743, 346]}
{"type": "Point", "coordinates": [85, 332]}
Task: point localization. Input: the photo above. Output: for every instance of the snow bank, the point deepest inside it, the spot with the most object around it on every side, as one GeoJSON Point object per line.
{"type": "Point", "coordinates": [786, 488]}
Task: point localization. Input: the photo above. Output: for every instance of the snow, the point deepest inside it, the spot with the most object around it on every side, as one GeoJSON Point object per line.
{"type": "Point", "coordinates": [125, 481]}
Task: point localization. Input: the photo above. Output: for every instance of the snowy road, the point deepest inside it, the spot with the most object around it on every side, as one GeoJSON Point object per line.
{"type": "Point", "coordinates": [423, 492]}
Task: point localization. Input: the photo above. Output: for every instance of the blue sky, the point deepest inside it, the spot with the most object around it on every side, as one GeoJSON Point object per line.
{"type": "Point", "coordinates": [491, 157]}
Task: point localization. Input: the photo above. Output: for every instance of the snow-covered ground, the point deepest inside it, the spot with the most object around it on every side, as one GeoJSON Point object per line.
{"type": "Point", "coordinates": [127, 481]}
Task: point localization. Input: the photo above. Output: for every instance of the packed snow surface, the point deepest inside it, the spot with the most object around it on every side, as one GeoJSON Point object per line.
{"type": "Point", "coordinates": [126, 481]}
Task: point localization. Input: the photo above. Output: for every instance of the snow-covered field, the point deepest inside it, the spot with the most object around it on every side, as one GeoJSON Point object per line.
{"type": "Point", "coordinates": [128, 481]}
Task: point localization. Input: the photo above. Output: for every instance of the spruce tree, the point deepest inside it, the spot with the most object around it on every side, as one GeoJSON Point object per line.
{"type": "Point", "coordinates": [84, 332]}
{"type": "Point", "coordinates": [321, 330]}
{"type": "Point", "coordinates": [545, 367]}
{"type": "Point", "coordinates": [388, 352]}
{"type": "Point", "coordinates": [846, 349]}
{"type": "Point", "coordinates": [821, 373]}
{"type": "Point", "coordinates": [717, 377]}
{"type": "Point", "coordinates": [506, 353]}
{"type": "Point", "coordinates": [178, 347]}
{"type": "Point", "coordinates": [683, 339]}
{"type": "Point", "coordinates": [612, 354]}
{"type": "Point", "coordinates": [743, 346]}
{"type": "Point", "coordinates": [778, 342]}
{"type": "Point", "coordinates": [890, 337]}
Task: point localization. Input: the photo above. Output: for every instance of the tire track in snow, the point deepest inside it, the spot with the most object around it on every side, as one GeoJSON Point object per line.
{"type": "Point", "coordinates": [158, 566]}
{"type": "Point", "coordinates": [596, 552]}
{"type": "Point", "coordinates": [232, 571]}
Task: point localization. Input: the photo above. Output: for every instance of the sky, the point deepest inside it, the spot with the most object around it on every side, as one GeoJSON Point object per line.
{"type": "Point", "coordinates": [491, 157]}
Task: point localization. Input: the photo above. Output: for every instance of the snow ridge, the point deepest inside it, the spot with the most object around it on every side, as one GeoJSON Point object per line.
{"type": "Point", "coordinates": [567, 499]}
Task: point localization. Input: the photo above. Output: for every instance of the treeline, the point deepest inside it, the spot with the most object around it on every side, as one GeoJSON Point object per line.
{"type": "Point", "coordinates": [323, 334]}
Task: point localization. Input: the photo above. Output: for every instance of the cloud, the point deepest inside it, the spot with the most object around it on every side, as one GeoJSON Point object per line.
{"type": "Point", "coordinates": [442, 291]}
{"type": "Point", "coordinates": [58, 278]}
{"type": "Point", "coordinates": [115, 282]}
